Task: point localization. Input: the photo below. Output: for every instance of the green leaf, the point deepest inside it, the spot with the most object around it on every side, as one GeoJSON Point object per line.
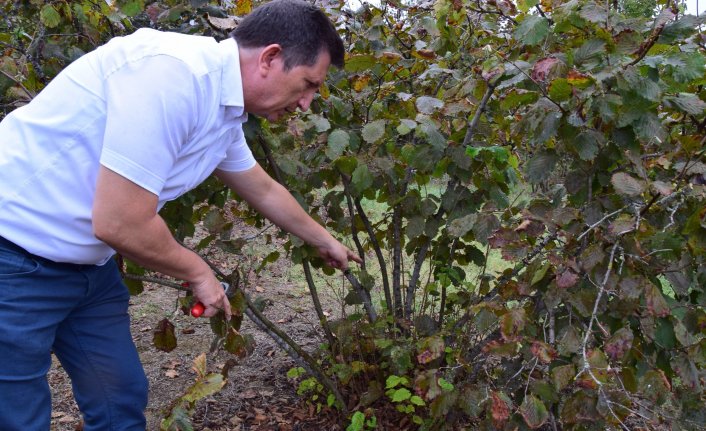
{"type": "Point", "coordinates": [417, 401]}
{"type": "Point", "coordinates": [594, 12]}
{"type": "Point", "coordinates": [686, 66]}
{"type": "Point", "coordinates": [560, 90]}
{"type": "Point", "coordinates": [649, 127]}
{"type": "Point", "coordinates": [460, 226]}
{"type": "Point", "coordinates": [359, 63]}
{"type": "Point", "coordinates": [393, 381]}
{"type": "Point", "coordinates": [532, 30]}
{"type": "Point", "coordinates": [641, 85]}
{"type": "Point", "coordinates": [664, 335]}
{"type": "Point", "coordinates": [518, 97]}
{"type": "Point", "coordinates": [132, 7]}
{"type": "Point", "coordinates": [49, 16]}
{"type": "Point", "coordinates": [580, 407]}
{"type": "Point", "coordinates": [534, 412]}
{"type": "Point", "coordinates": [685, 26]}
{"type": "Point", "coordinates": [295, 372]}
{"type": "Point", "coordinates": [562, 376]}
{"type": "Point", "coordinates": [338, 141]}
{"type": "Point", "coordinates": [320, 123]}
{"type": "Point", "coordinates": [588, 143]}
{"type": "Point", "coordinates": [239, 344]}
{"type": "Point", "coordinates": [415, 226]}
{"type": "Point", "coordinates": [135, 287]}
{"type": "Point", "coordinates": [626, 185]}
{"type": "Point", "coordinates": [164, 336]}
{"type": "Point", "coordinates": [689, 103]}
{"type": "Point", "coordinates": [406, 126]}
{"type": "Point", "coordinates": [357, 422]}
{"type": "Point", "coordinates": [541, 166]}
{"type": "Point", "coordinates": [427, 105]}
{"type": "Point", "coordinates": [205, 387]}
{"type": "Point", "coordinates": [374, 131]}
{"type": "Point", "coordinates": [590, 49]}
{"type": "Point", "coordinates": [443, 384]}
{"type": "Point", "coordinates": [361, 179]}
{"type": "Point", "coordinates": [401, 394]}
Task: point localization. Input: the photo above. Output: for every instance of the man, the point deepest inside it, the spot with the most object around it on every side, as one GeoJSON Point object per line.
{"type": "Point", "coordinates": [84, 169]}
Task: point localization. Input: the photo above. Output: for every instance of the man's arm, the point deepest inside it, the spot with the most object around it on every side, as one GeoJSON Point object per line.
{"type": "Point", "coordinates": [273, 201]}
{"type": "Point", "coordinates": [125, 217]}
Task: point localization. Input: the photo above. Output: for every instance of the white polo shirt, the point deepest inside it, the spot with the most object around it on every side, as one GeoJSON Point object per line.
{"type": "Point", "coordinates": [161, 109]}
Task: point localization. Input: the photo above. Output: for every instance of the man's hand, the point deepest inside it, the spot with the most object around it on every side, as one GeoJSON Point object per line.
{"type": "Point", "coordinates": [337, 255]}
{"type": "Point", "coordinates": [125, 217]}
{"type": "Point", "coordinates": [211, 294]}
{"type": "Point", "coordinates": [273, 201]}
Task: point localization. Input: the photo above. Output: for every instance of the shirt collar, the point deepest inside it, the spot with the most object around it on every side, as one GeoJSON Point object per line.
{"type": "Point", "coordinates": [232, 83]}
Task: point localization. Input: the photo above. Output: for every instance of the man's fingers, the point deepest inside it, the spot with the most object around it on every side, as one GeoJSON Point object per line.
{"type": "Point", "coordinates": [354, 257]}
{"type": "Point", "coordinates": [226, 308]}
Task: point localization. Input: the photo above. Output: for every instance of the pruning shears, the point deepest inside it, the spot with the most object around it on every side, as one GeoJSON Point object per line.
{"type": "Point", "coordinates": [198, 308]}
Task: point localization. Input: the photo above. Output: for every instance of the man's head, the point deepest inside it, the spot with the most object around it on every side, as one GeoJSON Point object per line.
{"type": "Point", "coordinates": [301, 29]}
{"type": "Point", "coordinates": [286, 47]}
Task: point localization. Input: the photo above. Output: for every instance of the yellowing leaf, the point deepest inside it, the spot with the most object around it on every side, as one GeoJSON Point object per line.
{"type": "Point", "coordinates": [390, 57]}
{"type": "Point", "coordinates": [425, 54]}
{"type": "Point", "coordinates": [49, 16]}
{"type": "Point", "coordinates": [359, 82]}
{"type": "Point", "coordinates": [324, 91]}
{"type": "Point", "coordinates": [578, 79]}
{"type": "Point", "coordinates": [200, 365]}
{"type": "Point", "coordinates": [243, 7]}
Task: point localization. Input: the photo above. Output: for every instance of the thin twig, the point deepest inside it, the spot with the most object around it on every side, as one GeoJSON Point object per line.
{"type": "Point", "coordinates": [19, 84]}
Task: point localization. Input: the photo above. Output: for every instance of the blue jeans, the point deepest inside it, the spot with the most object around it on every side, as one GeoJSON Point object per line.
{"type": "Point", "coordinates": [80, 313]}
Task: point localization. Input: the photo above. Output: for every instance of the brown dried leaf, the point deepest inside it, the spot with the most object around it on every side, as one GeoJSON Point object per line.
{"type": "Point", "coordinates": [500, 409]}
{"type": "Point", "coordinates": [544, 68]}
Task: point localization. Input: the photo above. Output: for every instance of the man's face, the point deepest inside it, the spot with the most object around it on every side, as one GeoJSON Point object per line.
{"type": "Point", "coordinates": [292, 89]}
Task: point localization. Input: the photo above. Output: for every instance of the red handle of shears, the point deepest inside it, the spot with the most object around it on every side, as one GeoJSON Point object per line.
{"type": "Point", "coordinates": [198, 308]}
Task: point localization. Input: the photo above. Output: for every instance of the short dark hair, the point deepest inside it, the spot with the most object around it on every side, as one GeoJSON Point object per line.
{"type": "Point", "coordinates": [301, 29]}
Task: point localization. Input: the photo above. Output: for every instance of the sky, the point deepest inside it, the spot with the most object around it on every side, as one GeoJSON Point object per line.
{"type": "Point", "coordinates": [691, 7]}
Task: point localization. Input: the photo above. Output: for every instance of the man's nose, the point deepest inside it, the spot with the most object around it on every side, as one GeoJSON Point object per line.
{"type": "Point", "coordinates": [306, 100]}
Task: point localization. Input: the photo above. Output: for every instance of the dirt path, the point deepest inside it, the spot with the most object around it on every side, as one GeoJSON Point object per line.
{"type": "Point", "coordinates": [257, 396]}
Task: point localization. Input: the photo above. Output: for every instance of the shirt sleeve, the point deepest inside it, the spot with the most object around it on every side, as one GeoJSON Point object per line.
{"type": "Point", "coordinates": [238, 156]}
{"type": "Point", "coordinates": [151, 108]}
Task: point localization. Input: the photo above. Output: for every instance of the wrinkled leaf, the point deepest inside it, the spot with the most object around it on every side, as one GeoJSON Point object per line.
{"type": "Point", "coordinates": [374, 131]}
{"type": "Point", "coordinates": [541, 166]}
{"type": "Point", "coordinates": [49, 16]}
{"type": "Point", "coordinates": [533, 411]}
{"type": "Point", "coordinates": [627, 185]}
{"type": "Point", "coordinates": [532, 30]}
{"type": "Point", "coordinates": [427, 105]}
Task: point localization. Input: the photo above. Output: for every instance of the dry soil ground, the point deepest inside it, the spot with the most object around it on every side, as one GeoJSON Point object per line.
{"type": "Point", "coordinates": [258, 395]}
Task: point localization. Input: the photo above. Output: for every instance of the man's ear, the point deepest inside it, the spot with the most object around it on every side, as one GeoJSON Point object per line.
{"type": "Point", "coordinates": [269, 57]}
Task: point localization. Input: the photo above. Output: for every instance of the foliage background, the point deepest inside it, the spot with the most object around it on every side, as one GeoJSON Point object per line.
{"type": "Point", "coordinates": [524, 179]}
